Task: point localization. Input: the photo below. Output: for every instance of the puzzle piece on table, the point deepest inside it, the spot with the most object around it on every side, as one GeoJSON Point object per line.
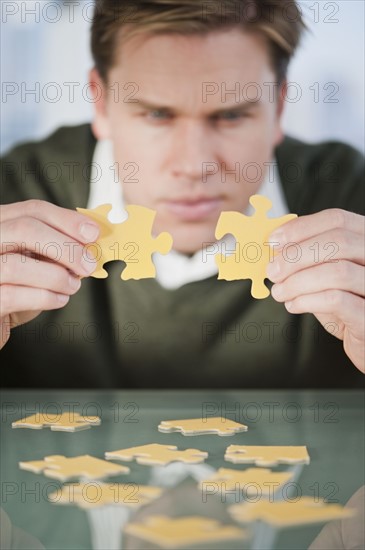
{"type": "Point", "coordinates": [199, 426]}
{"type": "Point", "coordinates": [252, 481]}
{"type": "Point", "coordinates": [156, 454]}
{"type": "Point", "coordinates": [65, 422]}
{"type": "Point", "coordinates": [289, 513]}
{"type": "Point", "coordinates": [63, 468]}
{"type": "Point", "coordinates": [93, 495]}
{"type": "Point", "coordinates": [130, 241]}
{"type": "Point", "coordinates": [266, 455]}
{"type": "Point", "coordinates": [184, 531]}
{"type": "Point", "coordinates": [251, 233]}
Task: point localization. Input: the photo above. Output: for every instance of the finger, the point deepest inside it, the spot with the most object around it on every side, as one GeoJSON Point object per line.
{"type": "Point", "coordinates": [71, 223]}
{"type": "Point", "coordinates": [343, 275]}
{"type": "Point", "coordinates": [330, 247]}
{"type": "Point", "coordinates": [345, 305]}
{"type": "Point", "coordinates": [20, 298]}
{"type": "Point", "coordinates": [347, 309]}
{"type": "Point", "coordinates": [29, 272]}
{"type": "Point", "coordinates": [30, 234]}
{"type": "Point", "coordinates": [305, 227]}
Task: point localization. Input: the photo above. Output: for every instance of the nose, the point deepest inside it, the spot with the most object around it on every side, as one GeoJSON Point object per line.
{"type": "Point", "coordinates": [191, 147]}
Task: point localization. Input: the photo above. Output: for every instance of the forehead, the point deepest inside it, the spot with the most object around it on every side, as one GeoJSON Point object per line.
{"type": "Point", "coordinates": [171, 64]}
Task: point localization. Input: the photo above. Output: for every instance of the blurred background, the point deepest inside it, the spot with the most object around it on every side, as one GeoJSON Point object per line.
{"type": "Point", "coordinates": [45, 61]}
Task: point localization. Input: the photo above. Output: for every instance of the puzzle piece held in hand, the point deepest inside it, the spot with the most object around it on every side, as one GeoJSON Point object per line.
{"type": "Point", "coordinates": [252, 481]}
{"type": "Point", "coordinates": [252, 254]}
{"type": "Point", "coordinates": [94, 495]}
{"type": "Point", "coordinates": [130, 241]}
{"type": "Point", "coordinates": [289, 513]}
{"type": "Point", "coordinates": [184, 531]}
{"type": "Point", "coordinates": [156, 454]}
{"type": "Point", "coordinates": [201, 426]}
{"type": "Point", "coordinates": [63, 468]}
{"type": "Point", "coordinates": [65, 422]}
{"type": "Point", "coordinates": [266, 455]}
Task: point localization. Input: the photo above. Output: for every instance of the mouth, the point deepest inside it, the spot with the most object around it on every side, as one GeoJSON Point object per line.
{"type": "Point", "coordinates": [193, 209]}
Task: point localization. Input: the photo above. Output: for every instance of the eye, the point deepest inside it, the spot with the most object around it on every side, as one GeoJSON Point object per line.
{"type": "Point", "coordinates": [158, 114]}
{"type": "Point", "coordinates": [230, 115]}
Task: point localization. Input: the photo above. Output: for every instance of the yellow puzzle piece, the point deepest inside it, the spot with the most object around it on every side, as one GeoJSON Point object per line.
{"type": "Point", "coordinates": [130, 241]}
{"type": "Point", "coordinates": [266, 455]}
{"type": "Point", "coordinates": [62, 468]}
{"type": "Point", "coordinates": [184, 531]}
{"type": "Point", "coordinates": [255, 481]}
{"type": "Point", "coordinates": [65, 422]}
{"type": "Point", "coordinates": [252, 254]}
{"type": "Point", "coordinates": [289, 513]}
{"type": "Point", "coordinates": [201, 426]}
{"type": "Point", "coordinates": [156, 454]}
{"type": "Point", "coordinates": [93, 495]}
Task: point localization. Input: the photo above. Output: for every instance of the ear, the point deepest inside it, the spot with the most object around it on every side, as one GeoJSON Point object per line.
{"type": "Point", "coordinates": [281, 95]}
{"type": "Point", "coordinates": [100, 123]}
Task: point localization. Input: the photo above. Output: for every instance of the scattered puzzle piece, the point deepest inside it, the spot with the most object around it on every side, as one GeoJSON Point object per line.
{"type": "Point", "coordinates": [65, 422]}
{"type": "Point", "coordinates": [266, 455]}
{"type": "Point", "coordinates": [130, 241]}
{"type": "Point", "coordinates": [93, 495]}
{"type": "Point", "coordinates": [289, 513]}
{"type": "Point", "coordinates": [62, 468]}
{"type": "Point", "coordinates": [156, 454]}
{"type": "Point", "coordinates": [252, 254]}
{"type": "Point", "coordinates": [181, 532]}
{"type": "Point", "coordinates": [199, 426]}
{"type": "Point", "coordinates": [254, 481]}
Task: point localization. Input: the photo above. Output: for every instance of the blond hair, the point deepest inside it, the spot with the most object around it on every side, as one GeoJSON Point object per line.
{"type": "Point", "coordinates": [279, 22]}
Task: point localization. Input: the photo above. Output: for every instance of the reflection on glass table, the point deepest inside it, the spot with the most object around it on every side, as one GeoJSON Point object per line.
{"type": "Point", "coordinates": [330, 424]}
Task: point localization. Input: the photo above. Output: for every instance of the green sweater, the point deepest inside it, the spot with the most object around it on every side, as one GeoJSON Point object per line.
{"type": "Point", "coordinates": [206, 334]}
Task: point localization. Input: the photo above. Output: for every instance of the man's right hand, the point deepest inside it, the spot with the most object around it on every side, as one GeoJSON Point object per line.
{"type": "Point", "coordinates": [42, 259]}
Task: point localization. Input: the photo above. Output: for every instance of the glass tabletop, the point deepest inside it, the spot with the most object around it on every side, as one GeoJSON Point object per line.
{"type": "Point", "coordinates": [330, 424]}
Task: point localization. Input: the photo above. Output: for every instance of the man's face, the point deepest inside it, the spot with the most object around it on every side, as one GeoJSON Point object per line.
{"type": "Point", "coordinates": [188, 119]}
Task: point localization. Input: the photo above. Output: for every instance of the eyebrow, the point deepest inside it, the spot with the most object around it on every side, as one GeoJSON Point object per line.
{"type": "Point", "coordinates": [235, 107]}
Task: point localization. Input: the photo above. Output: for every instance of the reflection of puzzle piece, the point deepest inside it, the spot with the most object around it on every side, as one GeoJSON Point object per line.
{"type": "Point", "coordinates": [93, 495]}
{"type": "Point", "coordinates": [62, 468]}
{"type": "Point", "coordinates": [266, 455]}
{"type": "Point", "coordinates": [65, 422]}
{"type": "Point", "coordinates": [252, 481]}
{"type": "Point", "coordinates": [289, 513]}
{"type": "Point", "coordinates": [130, 241]}
{"type": "Point", "coordinates": [252, 254]}
{"type": "Point", "coordinates": [156, 454]}
{"type": "Point", "coordinates": [199, 426]}
{"type": "Point", "coordinates": [181, 532]}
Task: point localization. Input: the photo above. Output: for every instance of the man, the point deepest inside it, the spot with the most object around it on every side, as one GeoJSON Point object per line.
{"type": "Point", "coordinates": [173, 137]}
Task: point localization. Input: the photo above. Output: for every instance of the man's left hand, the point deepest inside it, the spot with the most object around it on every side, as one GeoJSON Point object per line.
{"type": "Point", "coordinates": [320, 269]}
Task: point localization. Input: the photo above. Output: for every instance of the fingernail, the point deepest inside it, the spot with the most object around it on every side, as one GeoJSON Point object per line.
{"type": "Point", "coordinates": [89, 232]}
{"type": "Point", "coordinates": [277, 291]}
{"type": "Point", "coordinates": [88, 265]}
{"type": "Point", "coordinates": [273, 270]}
{"type": "Point", "coordinates": [62, 299]}
{"type": "Point", "coordinates": [74, 282]}
{"type": "Point", "coordinates": [277, 238]}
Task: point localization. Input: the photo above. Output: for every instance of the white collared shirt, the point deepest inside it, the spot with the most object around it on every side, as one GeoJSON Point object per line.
{"type": "Point", "coordinates": [174, 269]}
